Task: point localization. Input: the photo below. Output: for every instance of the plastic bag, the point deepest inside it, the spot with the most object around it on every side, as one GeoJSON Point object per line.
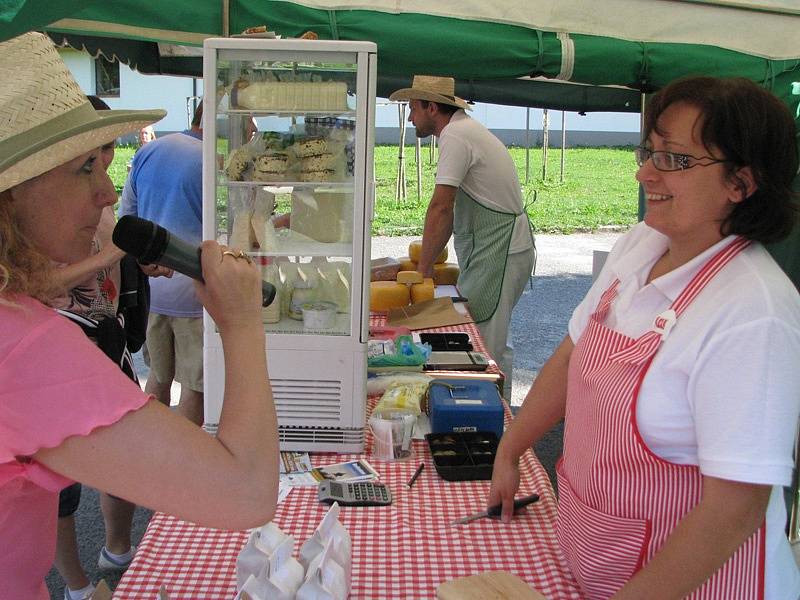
{"type": "Point", "coordinates": [407, 354]}
{"type": "Point", "coordinates": [403, 396]}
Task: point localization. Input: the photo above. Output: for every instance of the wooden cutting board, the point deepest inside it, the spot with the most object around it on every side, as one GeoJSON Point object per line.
{"type": "Point", "coordinates": [492, 585]}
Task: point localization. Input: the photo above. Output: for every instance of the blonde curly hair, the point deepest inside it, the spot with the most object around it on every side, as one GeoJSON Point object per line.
{"type": "Point", "coordinates": [24, 270]}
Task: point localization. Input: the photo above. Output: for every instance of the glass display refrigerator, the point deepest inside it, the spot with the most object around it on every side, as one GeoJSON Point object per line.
{"type": "Point", "coordinates": [288, 177]}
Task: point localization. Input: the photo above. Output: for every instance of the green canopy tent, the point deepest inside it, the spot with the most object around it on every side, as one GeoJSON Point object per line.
{"type": "Point", "coordinates": [493, 49]}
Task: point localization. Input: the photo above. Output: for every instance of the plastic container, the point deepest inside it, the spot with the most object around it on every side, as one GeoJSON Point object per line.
{"type": "Point", "coordinates": [457, 405]}
{"type": "Point", "coordinates": [302, 293]}
{"type": "Point", "coordinates": [464, 456]}
{"type": "Point", "coordinates": [319, 315]}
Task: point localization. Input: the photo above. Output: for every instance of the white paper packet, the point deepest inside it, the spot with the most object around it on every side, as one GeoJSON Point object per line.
{"type": "Point", "coordinates": [286, 574]}
{"type": "Point", "coordinates": [330, 532]}
{"type": "Point", "coordinates": [254, 557]}
{"type": "Point", "coordinates": [325, 579]}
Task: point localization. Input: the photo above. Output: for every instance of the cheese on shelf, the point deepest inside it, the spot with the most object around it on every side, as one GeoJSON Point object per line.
{"type": "Point", "coordinates": [415, 251]}
{"type": "Point", "coordinates": [384, 295]}
{"type": "Point", "coordinates": [421, 292]}
{"type": "Point", "coordinates": [445, 274]}
{"type": "Point", "coordinates": [409, 277]}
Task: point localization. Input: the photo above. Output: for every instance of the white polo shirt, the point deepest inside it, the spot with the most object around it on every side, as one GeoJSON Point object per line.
{"type": "Point", "coordinates": [473, 159]}
{"type": "Point", "coordinates": [723, 391]}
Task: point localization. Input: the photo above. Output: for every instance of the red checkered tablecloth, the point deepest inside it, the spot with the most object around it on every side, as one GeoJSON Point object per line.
{"type": "Point", "coordinates": [400, 551]}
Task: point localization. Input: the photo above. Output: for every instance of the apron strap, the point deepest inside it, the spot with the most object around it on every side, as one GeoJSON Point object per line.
{"type": "Point", "coordinates": [647, 344]}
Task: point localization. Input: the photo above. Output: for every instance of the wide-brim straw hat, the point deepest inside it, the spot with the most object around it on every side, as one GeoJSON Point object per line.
{"type": "Point", "coordinates": [433, 89]}
{"type": "Point", "coordinates": [45, 118]}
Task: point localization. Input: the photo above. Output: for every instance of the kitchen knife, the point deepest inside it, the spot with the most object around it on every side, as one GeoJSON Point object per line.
{"type": "Point", "coordinates": [494, 511]}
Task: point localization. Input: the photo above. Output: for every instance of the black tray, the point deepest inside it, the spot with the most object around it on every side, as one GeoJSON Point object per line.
{"type": "Point", "coordinates": [463, 456]}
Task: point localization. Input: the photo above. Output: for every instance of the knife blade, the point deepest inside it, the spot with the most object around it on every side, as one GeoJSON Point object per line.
{"type": "Point", "coordinates": [494, 511]}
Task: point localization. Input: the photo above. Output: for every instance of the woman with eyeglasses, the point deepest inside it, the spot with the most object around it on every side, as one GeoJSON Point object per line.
{"type": "Point", "coordinates": [678, 380]}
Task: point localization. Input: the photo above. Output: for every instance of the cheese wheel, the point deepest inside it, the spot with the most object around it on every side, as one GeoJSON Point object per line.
{"type": "Point", "coordinates": [409, 277]}
{"type": "Point", "coordinates": [406, 264]}
{"type": "Point", "coordinates": [384, 295]}
{"type": "Point", "coordinates": [445, 274]}
{"type": "Point", "coordinates": [415, 251]}
{"type": "Point", "coordinates": [421, 292]}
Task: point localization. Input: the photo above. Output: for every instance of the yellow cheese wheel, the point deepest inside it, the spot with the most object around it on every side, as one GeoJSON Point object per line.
{"type": "Point", "coordinates": [415, 250]}
{"type": "Point", "coordinates": [420, 292]}
{"type": "Point", "coordinates": [384, 295]}
{"type": "Point", "coordinates": [406, 264]}
{"type": "Point", "coordinates": [445, 274]}
{"type": "Point", "coordinates": [407, 277]}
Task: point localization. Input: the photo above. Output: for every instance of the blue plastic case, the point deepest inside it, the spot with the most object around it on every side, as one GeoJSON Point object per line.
{"type": "Point", "coordinates": [457, 405]}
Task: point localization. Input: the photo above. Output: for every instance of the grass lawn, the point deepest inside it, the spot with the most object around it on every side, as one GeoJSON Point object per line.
{"type": "Point", "coordinates": [599, 189]}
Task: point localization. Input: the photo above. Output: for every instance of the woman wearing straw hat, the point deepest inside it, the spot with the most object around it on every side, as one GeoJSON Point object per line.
{"type": "Point", "coordinates": [478, 200]}
{"type": "Point", "coordinates": [66, 411]}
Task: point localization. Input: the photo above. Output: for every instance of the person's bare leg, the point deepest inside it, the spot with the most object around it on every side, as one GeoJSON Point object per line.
{"type": "Point", "coordinates": [160, 390]}
{"type": "Point", "coordinates": [67, 562]}
{"type": "Point", "coordinates": [191, 405]}
{"type": "Point", "coordinates": [118, 517]}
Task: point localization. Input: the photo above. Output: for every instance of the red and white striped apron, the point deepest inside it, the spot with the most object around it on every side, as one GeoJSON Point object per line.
{"type": "Point", "coordinates": [618, 502]}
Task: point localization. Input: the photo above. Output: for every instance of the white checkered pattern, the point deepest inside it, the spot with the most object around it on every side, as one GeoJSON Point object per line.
{"type": "Point", "coordinates": [400, 551]}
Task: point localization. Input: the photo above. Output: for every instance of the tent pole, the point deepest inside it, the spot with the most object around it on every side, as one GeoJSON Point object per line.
{"type": "Point", "coordinates": [400, 187]}
{"type": "Point", "coordinates": [641, 132]}
{"type": "Point", "coordinates": [545, 141]}
{"type": "Point", "coordinates": [527, 144]}
{"type": "Point", "coordinates": [418, 156]}
{"type": "Point", "coordinates": [563, 144]}
{"type": "Point", "coordinates": [226, 18]}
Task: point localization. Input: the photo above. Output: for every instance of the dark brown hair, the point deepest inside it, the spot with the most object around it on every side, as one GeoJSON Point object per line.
{"type": "Point", "coordinates": [750, 127]}
{"type": "Point", "coordinates": [447, 109]}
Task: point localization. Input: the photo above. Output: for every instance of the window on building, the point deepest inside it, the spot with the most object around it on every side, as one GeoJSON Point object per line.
{"type": "Point", "coordinates": [106, 77]}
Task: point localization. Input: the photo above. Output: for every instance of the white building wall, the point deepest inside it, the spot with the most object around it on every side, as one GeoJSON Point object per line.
{"type": "Point", "coordinates": [495, 116]}
{"type": "Point", "coordinates": [138, 91]}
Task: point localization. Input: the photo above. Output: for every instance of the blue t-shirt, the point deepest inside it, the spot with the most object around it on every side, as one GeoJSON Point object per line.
{"type": "Point", "coordinates": [165, 186]}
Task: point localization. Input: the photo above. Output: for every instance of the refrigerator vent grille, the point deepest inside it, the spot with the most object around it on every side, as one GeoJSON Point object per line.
{"type": "Point", "coordinates": [313, 401]}
{"type": "Point", "coordinates": [321, 439]}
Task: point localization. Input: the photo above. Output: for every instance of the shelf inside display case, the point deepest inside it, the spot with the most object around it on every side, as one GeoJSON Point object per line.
{"type": "Point", "coordinates": [296, 247]}
{"type": "Point", "coordinates": [292, 326]}
{"type": "Point", "coordinates": [248, 112]}
{"type": "Point", "coordinates": [287, 187]}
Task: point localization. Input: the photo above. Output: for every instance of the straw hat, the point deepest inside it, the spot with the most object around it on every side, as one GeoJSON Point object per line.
{"type": "Point", "coordinates": [45, 118]}
{"type": "Point", "coordinates": [433, 89]}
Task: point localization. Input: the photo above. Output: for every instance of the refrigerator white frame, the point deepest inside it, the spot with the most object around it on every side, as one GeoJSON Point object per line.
{"type": "Point", "coordinates": [318, 381]}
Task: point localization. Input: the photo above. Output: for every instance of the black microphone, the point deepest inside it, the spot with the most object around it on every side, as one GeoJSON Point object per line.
{"type": "Point", "coordinates": [152, 244]}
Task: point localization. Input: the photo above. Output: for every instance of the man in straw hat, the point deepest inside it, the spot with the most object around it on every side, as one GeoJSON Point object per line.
{"type": "Point", "coordinates": [478, 200]}
{"type": "Point", "coordinates": [67, 412]}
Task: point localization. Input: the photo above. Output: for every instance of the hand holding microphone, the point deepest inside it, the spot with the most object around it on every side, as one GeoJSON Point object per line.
{"type": "Point", "coordinates": [150, 243]}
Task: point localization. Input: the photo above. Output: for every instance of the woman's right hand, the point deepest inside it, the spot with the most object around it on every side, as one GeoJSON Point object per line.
{"type": "Point", "coordinates": [231, 292]}
{"type": "Point", "coordinates": [505, 483]}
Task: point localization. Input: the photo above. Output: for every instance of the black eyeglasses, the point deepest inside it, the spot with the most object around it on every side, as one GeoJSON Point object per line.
{"type": "Point", "coordinates": [671, 161]}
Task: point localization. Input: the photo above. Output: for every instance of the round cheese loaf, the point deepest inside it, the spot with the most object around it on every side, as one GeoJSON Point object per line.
{"type": "Point", "coordinates": [238, 163]}
{"type": "Point", "coordinates": [318, 162]}
{"type": "Point", "coordinates": [310, 147]}
{"type": "Point", "coordinates": [272, 162]}
{"type": "Point", "coordinates": [415, 251]}
{"type": "Point", "coordinates": [385, 295]}
{"type": "Point", "coordinates": [421, 292]}
{"type": "Point", "coordinates": [326, 175]}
